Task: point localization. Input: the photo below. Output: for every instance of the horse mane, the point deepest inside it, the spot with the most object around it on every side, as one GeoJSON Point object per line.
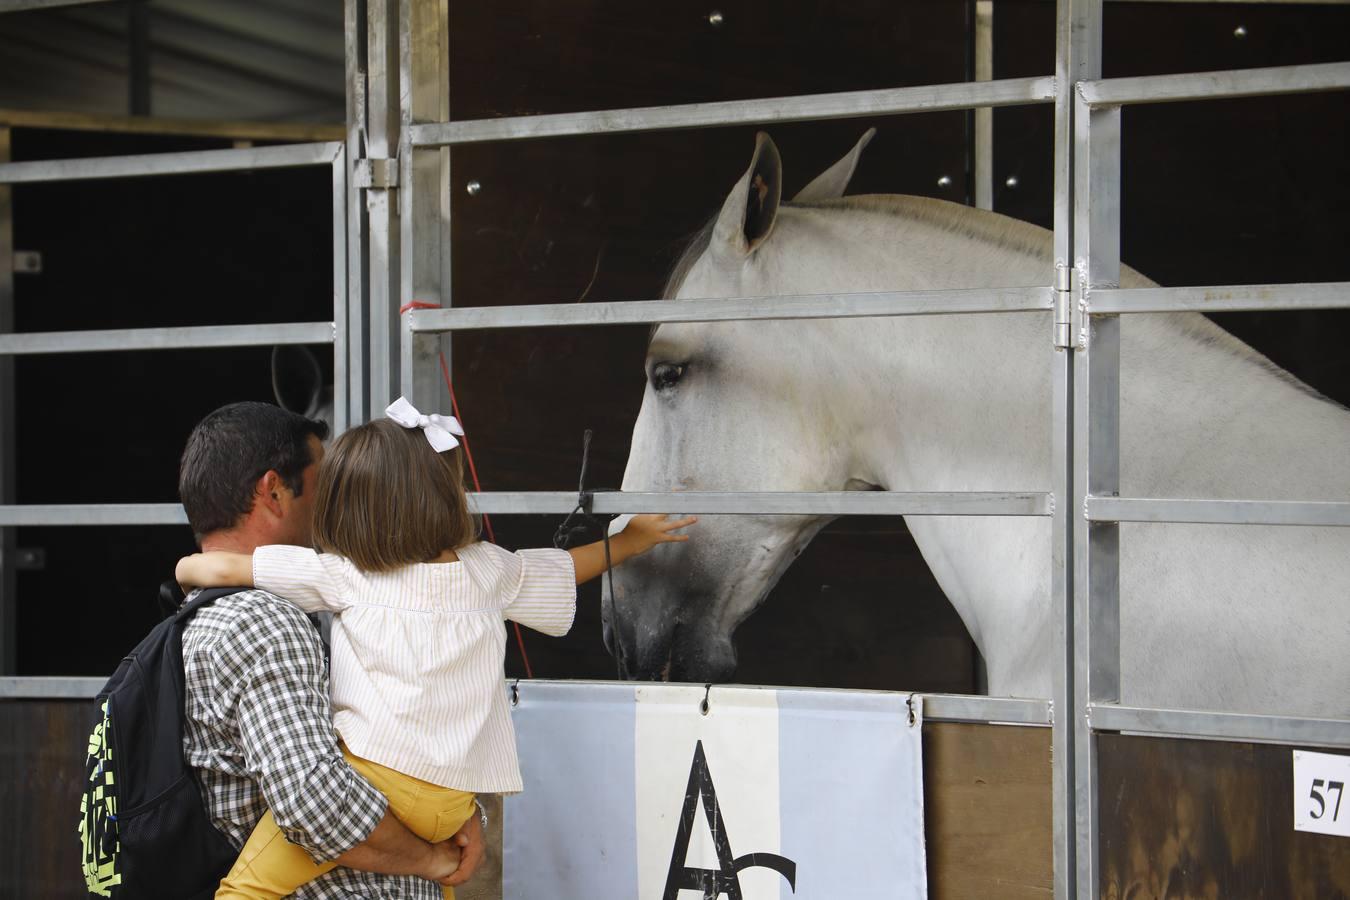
{"type": "Point", "coordinates": [694, 248]}
{"type": "Point", "coordinates": [953, 218]}
{"type": "Point", "coordinates": [1002, 231]}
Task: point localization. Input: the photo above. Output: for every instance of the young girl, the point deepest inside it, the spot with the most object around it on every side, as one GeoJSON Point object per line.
{"type": "Point", "coordinates": [418, 639]}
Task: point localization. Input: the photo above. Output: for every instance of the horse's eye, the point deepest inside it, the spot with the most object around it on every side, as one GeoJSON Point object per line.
{"type": "Point", "coordinates": [666, 375]}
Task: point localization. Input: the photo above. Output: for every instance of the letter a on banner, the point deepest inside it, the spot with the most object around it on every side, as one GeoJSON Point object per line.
{"type": "Point", "coordinates": [726, 878]}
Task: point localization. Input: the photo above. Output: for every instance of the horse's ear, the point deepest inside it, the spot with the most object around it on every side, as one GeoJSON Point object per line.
{"type": "Point", "coordinates": [830, 184]}
{"type": "Point", "coordinates": [748, 214]}
{"type": "Point", "coordinates": [297, 379]}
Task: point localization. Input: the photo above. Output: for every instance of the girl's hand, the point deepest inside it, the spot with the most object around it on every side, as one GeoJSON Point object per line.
{"type": "Point", "coordinates": [214, 569]}
{"type": "Point", "coordinates": [641, 534]}
{"type": "Point", "coordinates": [187, 572]}
{"type": "Point", "coordinates": [646, 531]}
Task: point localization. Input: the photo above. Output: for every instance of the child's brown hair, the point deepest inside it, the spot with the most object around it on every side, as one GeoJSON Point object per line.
{"type": "Point", "coordinates": [386, 499]}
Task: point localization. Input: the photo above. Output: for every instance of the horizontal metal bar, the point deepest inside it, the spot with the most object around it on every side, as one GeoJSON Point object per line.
{"type": "Point", "coordinates": [241, 160]}
{"type": "Point", "coordinates": [838, 503]}
{"type": "Point", "coordinates": [936, 707]}
{"type": "Point", "coordinates": [830, 503]}
{"type": "Point", "coordinates": [50, 688]}
{"type": "Point", "coordinates": [800, 306]}
{"type": "Point", "coordinates": [36, 514]}
{"type": "Point", "coordinates": [1216, 85]}
{"type": "Point", "coordinates": [1221, 726]}
{"type": "Point", "coordinates": [846, 105]}
{"type": "Point", "coordinates": [293, 132]}
{"type": "Point", "coordinates": [1232, 2]}
{"type": "Point", "coordinates": [196, 337]}
{"type": "Point", "coordinates": [24, 5]}
{"type": "Point", "coordinates": [967, 708]}
{"type": "Point", "coordinates": [1220, 298]}
{"type": "Point", "coordinates": [1217, 512]}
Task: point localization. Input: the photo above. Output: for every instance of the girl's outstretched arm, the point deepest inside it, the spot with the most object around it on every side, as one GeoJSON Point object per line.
{"type": "Point", "coordinates": [640, 535]}
{"type": "Point", "coordinates": [216, 568]}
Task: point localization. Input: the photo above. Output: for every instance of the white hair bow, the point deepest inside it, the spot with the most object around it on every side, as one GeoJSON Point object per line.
{"type": "Point", "coordinates": [440, 430]}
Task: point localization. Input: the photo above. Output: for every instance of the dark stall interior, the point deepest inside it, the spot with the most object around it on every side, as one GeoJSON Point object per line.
{"type": "Point", "coordinates": [1226, 192]}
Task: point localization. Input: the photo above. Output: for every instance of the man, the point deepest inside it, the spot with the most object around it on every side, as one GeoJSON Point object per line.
{"type": "Point", "coordinates": [259, 730]}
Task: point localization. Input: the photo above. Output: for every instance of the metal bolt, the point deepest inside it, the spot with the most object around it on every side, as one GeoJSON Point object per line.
{"type": "Point", "coordinates": [473, 188]}
{"type": "Point", "coordinates": [944, 182]}
{"type": "Point", "coordinates": [1240, 32]}
{"type": "Point", "coordinates": [715, 18]}
{"type": "Point", "coordinates": [1012, 181]}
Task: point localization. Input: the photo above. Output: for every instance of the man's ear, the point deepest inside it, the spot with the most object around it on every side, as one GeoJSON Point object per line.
{"type": "Point", "coordinates": [270, 493]}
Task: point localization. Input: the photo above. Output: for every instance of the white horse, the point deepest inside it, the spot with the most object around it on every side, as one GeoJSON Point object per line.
{"type": "Point", "coordinates": [1216, 617]}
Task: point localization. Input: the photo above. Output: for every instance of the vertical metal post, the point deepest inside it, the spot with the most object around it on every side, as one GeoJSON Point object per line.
{"type": "Point", "coordinates": [358, 240]}
{"type": "Point", "coordinates": [382, 142]}
{"type": "Point", "coordinates": [424, 193]}
{"type": "Point", "coordinates": [341, 387]}
{"type": "Point", "coordinates": [984, 115]}
{"type": "Point", "coordinates": [1096, 195]}
{"type": "Point", "coordinates": [1068, 15]}
{"type": "Point", "coordinates": [8, 602]}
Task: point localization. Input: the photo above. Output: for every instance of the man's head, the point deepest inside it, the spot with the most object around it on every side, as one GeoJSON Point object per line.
{"type": "Point", "coordinates": [247, 476]}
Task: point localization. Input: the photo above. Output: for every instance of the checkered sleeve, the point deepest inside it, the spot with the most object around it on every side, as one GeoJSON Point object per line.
{"type": "Point", "coordinates": [290, 748]}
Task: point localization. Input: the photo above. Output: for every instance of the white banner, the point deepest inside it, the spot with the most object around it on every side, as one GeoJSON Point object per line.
{"type": "Point", "coordinates": [643, 791]}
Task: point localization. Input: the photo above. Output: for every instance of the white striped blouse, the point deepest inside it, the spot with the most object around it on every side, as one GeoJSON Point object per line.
{"type": "Point", "coordinates": [417, 677]}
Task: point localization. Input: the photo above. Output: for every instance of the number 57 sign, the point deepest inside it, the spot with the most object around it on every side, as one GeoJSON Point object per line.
{"type": "Point", "coordinates": [1319, 781]}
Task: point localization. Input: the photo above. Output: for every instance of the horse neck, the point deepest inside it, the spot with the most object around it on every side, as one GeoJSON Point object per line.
{"type": "Point", "coordinates": [977, 384]}
{"type": "Point", "coordinates": [1204, 415]}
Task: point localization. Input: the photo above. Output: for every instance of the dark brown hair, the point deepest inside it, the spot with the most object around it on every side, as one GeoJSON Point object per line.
{"type": "Point", "coordinates": [230, 450]}
{"type": "Point", "coordinates": [386, 499]}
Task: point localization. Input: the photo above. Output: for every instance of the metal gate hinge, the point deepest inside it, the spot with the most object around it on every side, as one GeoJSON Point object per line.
{"type": "Point", "coordinates": [1063, 306]}
{"type": "Point", "coordinates": [376, 174]}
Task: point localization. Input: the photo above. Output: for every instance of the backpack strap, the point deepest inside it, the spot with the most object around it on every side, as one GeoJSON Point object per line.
{"type": "Point", "coordinates": [204, 598]}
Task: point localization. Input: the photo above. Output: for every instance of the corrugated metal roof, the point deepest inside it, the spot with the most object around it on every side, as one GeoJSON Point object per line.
{"type": "Point", "coordinates": [261, 60]}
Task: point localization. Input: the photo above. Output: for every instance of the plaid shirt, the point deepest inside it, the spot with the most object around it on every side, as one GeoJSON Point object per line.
{"type": "Point", "coordinates": [259, 732]}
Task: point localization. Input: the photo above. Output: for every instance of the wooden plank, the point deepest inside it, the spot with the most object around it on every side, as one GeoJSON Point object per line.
{"type": "Point", "coordinates": [987, 811]}
{"type": "Point", "coordinates": [42, 749]}
{"type": "Point", "coordinates": [1186, 818]}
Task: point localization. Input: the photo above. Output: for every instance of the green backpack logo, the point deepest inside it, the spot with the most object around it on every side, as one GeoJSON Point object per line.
{"type": "Point", "coordinates": [98, 812]}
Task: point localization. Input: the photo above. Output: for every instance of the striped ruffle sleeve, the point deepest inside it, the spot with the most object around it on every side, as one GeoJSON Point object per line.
{"type": "Point", "coordinates": [315, 582]}
{"type": "Point", "coordinates": [537, 588]}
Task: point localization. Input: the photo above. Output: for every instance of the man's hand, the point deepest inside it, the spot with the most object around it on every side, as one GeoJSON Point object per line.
{"type": "Point", "coordinates": [443, 860]}
{"type": "Point", "coordinates": [469, 844]}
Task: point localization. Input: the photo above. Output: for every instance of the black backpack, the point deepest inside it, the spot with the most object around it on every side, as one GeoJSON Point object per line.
{"type": "Point", "coordinates": [144, 829]}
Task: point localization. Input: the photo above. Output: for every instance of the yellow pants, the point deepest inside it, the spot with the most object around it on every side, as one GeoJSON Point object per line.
{"type": "Point", "coordinates": [271, 867]}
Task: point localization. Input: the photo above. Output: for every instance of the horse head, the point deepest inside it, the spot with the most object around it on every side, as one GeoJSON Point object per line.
{"type": "Point", "coordinates": [730, 406]}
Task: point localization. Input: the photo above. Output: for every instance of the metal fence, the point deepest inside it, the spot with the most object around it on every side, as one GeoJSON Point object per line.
{"type": "Point", "coordinates": [1082, 287]}
{"type": "Point", "coordinates": [392, 229]}
{"type": "Point", "coordinates": [334, 332]}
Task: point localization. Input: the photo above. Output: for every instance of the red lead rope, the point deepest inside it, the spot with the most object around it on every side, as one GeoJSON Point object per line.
{"type": "Point", "coordinates": [473, 470]}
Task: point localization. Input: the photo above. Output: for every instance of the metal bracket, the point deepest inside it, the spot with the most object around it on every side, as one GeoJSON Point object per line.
{"type": "Point", "coordinates": [1063, 306]}
{"type": "Point", "coordinates": [28, 262]}
{"type": "Point", "coordinates": [375, 174]}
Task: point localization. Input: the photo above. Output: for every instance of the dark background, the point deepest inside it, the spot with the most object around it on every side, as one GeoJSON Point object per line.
{"type": "Point", "coordinates": [1225, 192]}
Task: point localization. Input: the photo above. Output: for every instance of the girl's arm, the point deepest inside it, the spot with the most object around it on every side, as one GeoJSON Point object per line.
{"type": "Point", "coordinates": [216, 568]}
{"type": "Point", "coordinates": [640, 535]}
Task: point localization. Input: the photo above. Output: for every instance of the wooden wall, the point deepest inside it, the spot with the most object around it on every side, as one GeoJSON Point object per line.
{"type": "Point", "coordinates": [986, 797]}
{"type": "Point", "coordinates": [1208, 819]}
